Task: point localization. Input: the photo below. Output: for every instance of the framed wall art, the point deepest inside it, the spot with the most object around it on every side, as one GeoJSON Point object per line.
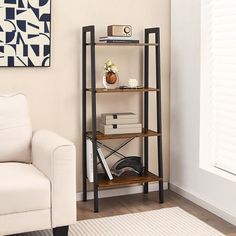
{"type": "Point", "coordinates": [25, 33]}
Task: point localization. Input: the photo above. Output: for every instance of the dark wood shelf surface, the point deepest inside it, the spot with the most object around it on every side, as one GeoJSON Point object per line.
{"type": "Point", "coordinates": [123, 44]}
{"type": "Point", "coordinates": [104, 182]}
{"type": "Point", "coordinates": [101, 136]}
{"type": "Point", "coordinates": [123, 90]}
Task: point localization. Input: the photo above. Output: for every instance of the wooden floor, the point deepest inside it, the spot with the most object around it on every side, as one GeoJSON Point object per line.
{"type": "Point", "coordinates": [146, 202]}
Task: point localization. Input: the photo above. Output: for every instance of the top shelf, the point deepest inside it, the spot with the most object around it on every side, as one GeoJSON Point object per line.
{"type": "Point", "coordinates": [126, 90]}
{"type": "Point", "coordinates": [123, 44]}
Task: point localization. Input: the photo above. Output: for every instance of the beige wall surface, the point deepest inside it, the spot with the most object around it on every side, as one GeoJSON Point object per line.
{"type": "Point", "coordinates": [55, 93]}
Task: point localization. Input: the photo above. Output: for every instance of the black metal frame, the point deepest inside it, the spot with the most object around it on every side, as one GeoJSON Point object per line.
{"type": "Point", "coordinates": [91, 30]}
{"type": "Point", "coordinates": [156, 32]}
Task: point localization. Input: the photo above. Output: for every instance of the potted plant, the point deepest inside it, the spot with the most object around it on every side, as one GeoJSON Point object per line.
{"type": "Point", "coordinates": [110, 77]}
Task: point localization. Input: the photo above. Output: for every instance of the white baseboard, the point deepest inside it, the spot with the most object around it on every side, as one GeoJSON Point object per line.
{"type": "Point", "coordinates": [122, 191]}
{"type": "Point", "coordinates": [200, 202]}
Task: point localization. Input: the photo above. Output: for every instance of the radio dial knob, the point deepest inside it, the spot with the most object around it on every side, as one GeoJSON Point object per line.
{"type": "Point", "coordinates": [127, 30]}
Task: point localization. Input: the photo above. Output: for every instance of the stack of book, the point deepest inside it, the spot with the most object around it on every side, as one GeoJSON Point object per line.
{"type": "Point", "coordinates": [120, 39]}
{"type": "Point", "coordinates": [120, 123]}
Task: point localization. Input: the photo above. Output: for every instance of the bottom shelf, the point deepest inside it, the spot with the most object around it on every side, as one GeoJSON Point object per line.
{"type": "Point", "coordinates": [104, 182]}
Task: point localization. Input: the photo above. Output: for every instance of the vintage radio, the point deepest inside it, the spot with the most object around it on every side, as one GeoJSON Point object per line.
{"type": "Point", "coordinates": [119, 30]}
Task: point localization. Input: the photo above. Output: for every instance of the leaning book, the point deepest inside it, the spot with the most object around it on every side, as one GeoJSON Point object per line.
{"type": "Point", "coordinates": [104, 164]}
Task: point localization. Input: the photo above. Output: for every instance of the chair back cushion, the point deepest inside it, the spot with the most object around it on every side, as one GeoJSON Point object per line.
{"type": "Point", "coordinates": [15, 129]}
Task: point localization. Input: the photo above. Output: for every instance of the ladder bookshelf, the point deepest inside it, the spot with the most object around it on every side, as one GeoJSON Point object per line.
{"type": "Point", "coordinates": [100, 181]}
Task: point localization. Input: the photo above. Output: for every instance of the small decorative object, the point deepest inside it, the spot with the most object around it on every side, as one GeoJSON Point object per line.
{"type": "Point", "coordinates": [110, 78]}
{"type": "Point", "coordinates": [128, 164]}
{"type": "Point", "coordinates": [25, 33]}
{"type": "Point", "coordinates": [132, 83]}
{"type": "Point", "coordinates": [119, 34]}
{"type": "Point", "coordinates": [119, 30]}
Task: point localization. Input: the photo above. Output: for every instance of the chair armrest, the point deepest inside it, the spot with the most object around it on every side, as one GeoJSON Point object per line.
{"type": "Point", "coordinates": [56, 158]}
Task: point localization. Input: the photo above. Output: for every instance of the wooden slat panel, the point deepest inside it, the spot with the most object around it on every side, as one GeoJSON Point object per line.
{"type": "Point", "coordinates": [104, 182]}
{"type": "Point", "coordinates": [124, 44]}
{"type": "Point", "coordinates": [101, 136]}
{"type": "Point", "coordinates": [125, 90]}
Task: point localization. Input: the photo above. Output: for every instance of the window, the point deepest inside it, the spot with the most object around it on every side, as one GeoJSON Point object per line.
{"type": "Point", "coordinates": [218, 85]}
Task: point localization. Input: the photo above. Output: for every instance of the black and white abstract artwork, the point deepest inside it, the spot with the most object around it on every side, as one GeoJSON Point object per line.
{"type": "Point", "coordinates": [25, 27]}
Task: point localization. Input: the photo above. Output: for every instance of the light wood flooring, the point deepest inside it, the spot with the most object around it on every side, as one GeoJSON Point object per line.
{"type": "Point", "coordinates": [146, 202]}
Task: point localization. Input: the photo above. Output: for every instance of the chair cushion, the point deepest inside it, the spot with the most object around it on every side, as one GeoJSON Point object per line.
{"type": "Point", "coordinates": [23, 188]}
{"type": "Point", "coordinates": [15, 129]}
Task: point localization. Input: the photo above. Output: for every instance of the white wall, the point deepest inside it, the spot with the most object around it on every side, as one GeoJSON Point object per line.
{"type": "Point", "coordinates": [185, 106]}
{"type": "Point", "coordinates": [55, 93]}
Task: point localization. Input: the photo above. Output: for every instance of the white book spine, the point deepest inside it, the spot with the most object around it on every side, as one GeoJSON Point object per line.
{"type": "Point", "coordinates": [89, 158]}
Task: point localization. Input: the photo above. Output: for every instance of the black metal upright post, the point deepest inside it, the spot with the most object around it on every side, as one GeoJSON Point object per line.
{"type": "Point", "coordinates": [91, 30]}
{"type": "Point", "coordinates": [84, 117]}
{"type": "Point", "coordinates": [159, 116]}
{"type": "Point", "coordinates": [146, 102]}
{"type": "Point", "coordinates": [156, 32]}
{"type": "Point", "coordinates": [94, 115]}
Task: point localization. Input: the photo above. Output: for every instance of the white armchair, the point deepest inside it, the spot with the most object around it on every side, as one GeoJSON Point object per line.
{"type": "Point", "coordinates": [37, 174]}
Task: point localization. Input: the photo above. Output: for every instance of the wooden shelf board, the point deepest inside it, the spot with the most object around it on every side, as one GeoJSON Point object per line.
{"type": "Point", "coordinates": [101, 136]}
{"type": "Point", "coordinates": [104, 182]}
{"type": "Point", "coordinates": [123, 44]}
{"type": "Point", "coordinates": [123, 90]}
